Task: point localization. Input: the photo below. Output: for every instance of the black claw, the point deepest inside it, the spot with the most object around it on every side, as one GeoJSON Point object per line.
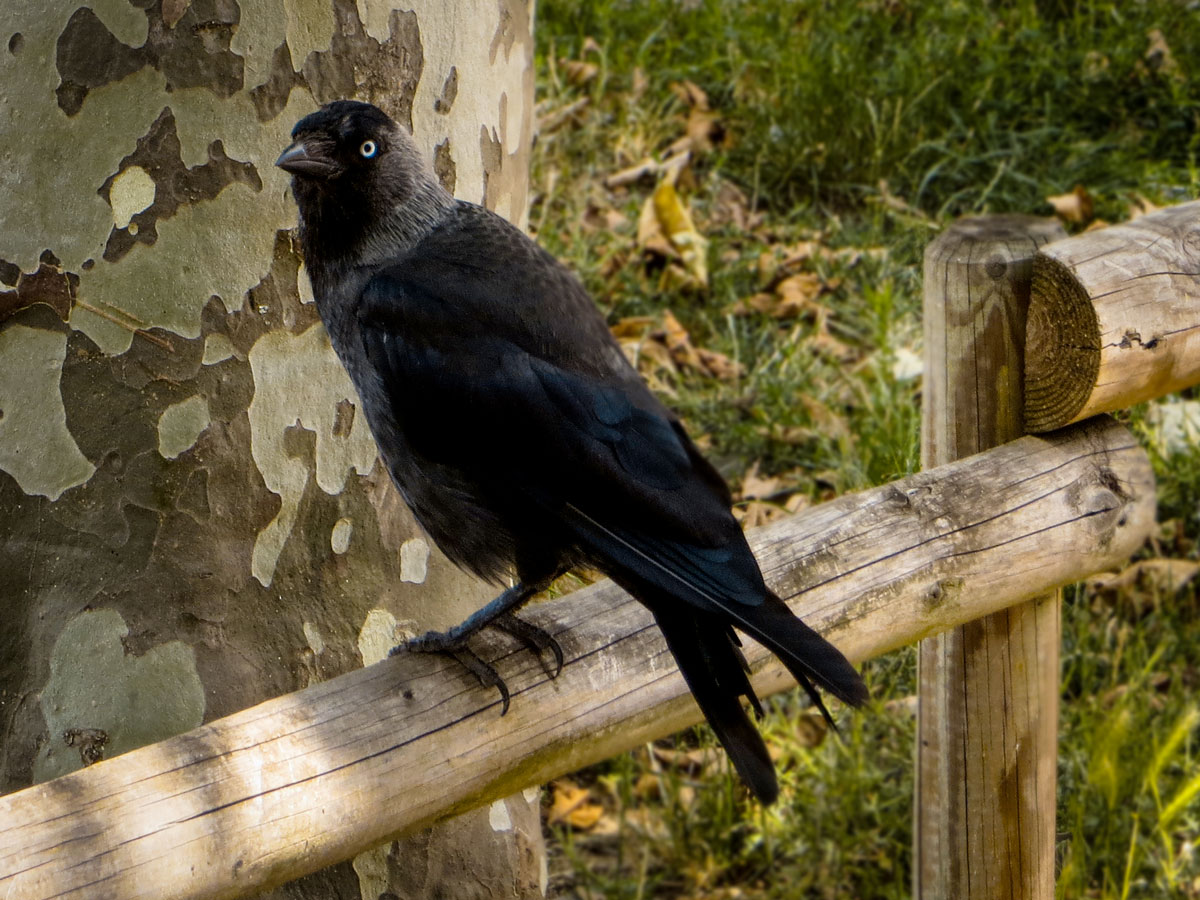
{"type": "Point", "coordinates": [487, 675]}
{"type": "Point", "coordinates": [534, 637]}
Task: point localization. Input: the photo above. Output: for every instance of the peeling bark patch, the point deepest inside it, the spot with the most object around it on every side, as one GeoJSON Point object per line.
{"type": "Point", "coordinates": [491, 152]}
{"type": "Point", "coordinates": [343, 419]}
{"type": "Point", "coordinates": [158, 155]}
{"type": "Point", "coordinates": [443, 165]}
{"type": "Point", "coordinates": [49, 285]}
{"type": "Point", "coordinates": [339, 538]}
{"type": "Point", "coordinates": [357, 65]}
{"type": "Point", "coordinates": [180, 425]}
{"type": "Point", "coordinates": [192, 51]}
{"type": "Point", "coordinates": [444, 103]}
{"type": "Point", "coordinates": [89, 56]}
{"type": "Point", "coordinates": [512, 26]}
{"type": "Point", "coordinates": [173, 10]}
{"type": "Point", "coordinates": [377, 636]}
{"type": "Point", "coordinates": [95, 685]}
{"type": "Point", "coordinates": [414, 561]}
{"type": "Point", "coordinates": [9, 272]}
{"type": "Point", "coordinates": [272, 95]}
{"type": "Point", "coordinates": [498, 816]}
{"type": "Point", "coordinates": [36, 448]}
{"type": "Point", "coordinates": [130, 192]}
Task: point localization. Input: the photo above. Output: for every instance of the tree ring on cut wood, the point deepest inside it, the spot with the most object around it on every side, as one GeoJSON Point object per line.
{"type": "Point", "coordinates": [1062, 346]}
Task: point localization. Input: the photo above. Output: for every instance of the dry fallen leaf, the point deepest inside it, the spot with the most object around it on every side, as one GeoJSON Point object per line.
{"type": "Point", "coordinates": [1159, 576]}
{"type": "Point", "coordinates": [677, 225]}
{"type": "Point", "coordinates": [1139, 206]}
{"type": "Point", "coordinates": [810, 730]}
{"type": "Point", "coordinates": [633, 327]}
{"type": "Point", "coordinates": [1075, 207]}
{"type": "Point", "coordinates": [1159, 57]}
{"type": "Point", "coordinates": [697, 762]}
{"type": "Point", "coordinates": [691, 94]}
{"type": "Point", "coordinates": [756, 487]}
{"type": "Point", "coordinates": [579, 72]}
{"type": "Point", "coordinates": [603, 218]}
{"type": "Point", "coordinates": [573, 805]}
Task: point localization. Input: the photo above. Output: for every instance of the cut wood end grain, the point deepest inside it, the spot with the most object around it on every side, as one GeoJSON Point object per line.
{"type": "Point", "coordinates": [1114, 318]}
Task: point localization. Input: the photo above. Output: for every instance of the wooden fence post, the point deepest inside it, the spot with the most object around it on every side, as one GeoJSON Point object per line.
{"type": "Point", "coordinates": [988, 705]}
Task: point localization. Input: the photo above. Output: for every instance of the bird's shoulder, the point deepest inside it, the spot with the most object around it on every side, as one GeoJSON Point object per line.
{"type": "Point", "coordinates": [476, 278]}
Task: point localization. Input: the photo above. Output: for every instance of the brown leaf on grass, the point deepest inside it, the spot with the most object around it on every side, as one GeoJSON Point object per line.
{"type": "Point", "coordinates": [676, 223]}
{"type": "Point", "coordinates": [720, 366]}
{"type": "Point", "coordinates": [756, 487]}
{"type": "Point", "coordinates": [798, 293]}
{"type": "Point", "coordinates": [823, 342]}
{"type": "Point", "coordinates": [1139, 206]}
{"type": "Point", "coordinates": [780, 261]}
{"type": "Point", "coordinates": [603, 218]}
{"type": "Point", "coordinates": [579, 72]}
{"type": "Point", "coordinates": [731, 206]}
{"type": "Point", "coordinates": [1075, 207]}
{"type": "Point", "coordinates": [703, 132]}
{"type": "Point", "coordinates": [754, 508]}
{"type": "Point", "coordinates": [555, 119]}
{"type": "Point", "coordinates": [573, 805]}
{"type": "Point", "coordinates": [679, 342]}
{"type": "Point", "coordinates": [810, 730]}
{"type": "Point", "coordinates": [648, 787]}
{"type": "Point", "coordinates": [794, 297]}
{"type": "Point", "coordinates": [1159, 58]}
{"type": "Point", "coordinates": [828, 422]}
{"type": "Point", "coordinates": [633, 327]}
{"type": "Point", "coordinates": [698, 762]}
{"type": "Point", "coordinates": [698, 359]}
{"type": "Point", "coordinates": [1162, 577]}
{"type": "Point", "coordinates": [646, 168]}
{"type": "Point", "coordinates": [756, 513]}
{"type": "Point", "coordinates": [1095, 65]}
{"type": "Point", "coordinates": [691, 94]}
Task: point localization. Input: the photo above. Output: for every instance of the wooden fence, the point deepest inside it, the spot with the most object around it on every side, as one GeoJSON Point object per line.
{"type": "Point", "coordinates": [302, 781]}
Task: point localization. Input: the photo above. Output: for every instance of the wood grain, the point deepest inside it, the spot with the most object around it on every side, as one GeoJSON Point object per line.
{"type": "Point", "coordinates": [988, 697]}
{"type": "Point", "coordinates": [1114, 318]}
{"type": "Point", "coordinates": [301, 781]}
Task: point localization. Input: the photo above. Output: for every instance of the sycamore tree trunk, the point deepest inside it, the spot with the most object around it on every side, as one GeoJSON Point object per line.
{"type": "Point", "coordinates": [192, 517]}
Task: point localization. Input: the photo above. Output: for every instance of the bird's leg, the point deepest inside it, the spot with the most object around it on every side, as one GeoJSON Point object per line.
{"type": "Point", "coordinates": [500, 614]}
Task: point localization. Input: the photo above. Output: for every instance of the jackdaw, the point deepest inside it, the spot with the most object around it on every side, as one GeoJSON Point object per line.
{"type": "Point", "coordinates": [516, 430]}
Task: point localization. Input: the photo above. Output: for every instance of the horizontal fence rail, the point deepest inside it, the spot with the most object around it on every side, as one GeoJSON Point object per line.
{"type": "Point", "coordinates": [1114, 318]}
{"type": "Point", "coordinates": [302, 781]}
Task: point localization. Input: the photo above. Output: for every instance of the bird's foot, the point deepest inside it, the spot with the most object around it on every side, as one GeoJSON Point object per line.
{"type": "Point", "coordinates": [534, 637]}
{"type": "Point", "coordinates": [453, 642]}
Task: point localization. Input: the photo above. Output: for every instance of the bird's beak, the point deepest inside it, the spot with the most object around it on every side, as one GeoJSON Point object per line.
{"type": "Point", "coordinates": [305, 159]}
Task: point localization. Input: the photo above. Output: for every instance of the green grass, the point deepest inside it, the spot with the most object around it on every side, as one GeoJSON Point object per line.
{"type": "Point", "coordinates": [871, 125]}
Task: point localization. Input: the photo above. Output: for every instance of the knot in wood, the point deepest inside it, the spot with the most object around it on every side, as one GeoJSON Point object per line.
{"type": "Point", "coordinates": [996, 267]}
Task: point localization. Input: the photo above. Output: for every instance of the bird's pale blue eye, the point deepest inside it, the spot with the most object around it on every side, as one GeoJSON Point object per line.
{"type": "Point", "coordinates": [368, 149]}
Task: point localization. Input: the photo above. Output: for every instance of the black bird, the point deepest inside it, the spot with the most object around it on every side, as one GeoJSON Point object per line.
{"type": "Point", "coordinates": [516, 430]}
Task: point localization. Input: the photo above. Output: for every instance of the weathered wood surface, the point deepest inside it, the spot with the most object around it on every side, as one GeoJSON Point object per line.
{"type": "Point", "coordinates": [295, 783]}
{"type": "Point", "coordinates": [988, 699]}
{"type": "Point", "coordinates": [1114, 318]}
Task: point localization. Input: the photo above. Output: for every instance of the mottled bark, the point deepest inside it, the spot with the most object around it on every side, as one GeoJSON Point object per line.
{"type": "Point", "coordinates": [191, 514]}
